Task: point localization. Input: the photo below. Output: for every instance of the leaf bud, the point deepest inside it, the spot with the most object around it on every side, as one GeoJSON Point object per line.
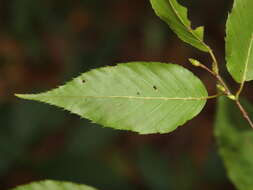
{"type": "Point", "coordinates": [194, 62]}
{"type": "Point", "coordinates": [221, 88]}
{"type": "Point", "coordinates": [232, 97]}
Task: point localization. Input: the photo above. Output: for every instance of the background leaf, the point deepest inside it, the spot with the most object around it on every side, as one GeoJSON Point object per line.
{"type": "Point", "coordinates": [53, 185]}
{"type": "Point", "coordinates": [239, 41]}
{"type": "Point", "coordinates": [235, 143]}
{"type": "Point", "coordinates": [175, 16]}
{"type": "Point", "coordinates": [145, 97]}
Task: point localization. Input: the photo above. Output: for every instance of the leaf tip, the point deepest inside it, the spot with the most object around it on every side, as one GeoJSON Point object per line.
{"type": "Point", "coordinates": [19, 95]}
{"type": "Point", "coordinates": [24, 96]}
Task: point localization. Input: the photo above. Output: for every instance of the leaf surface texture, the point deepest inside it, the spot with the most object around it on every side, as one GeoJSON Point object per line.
{"type": "Point", "coordinates": [235, 143]}
{"type": "Point", "coordinates": [145, 97]}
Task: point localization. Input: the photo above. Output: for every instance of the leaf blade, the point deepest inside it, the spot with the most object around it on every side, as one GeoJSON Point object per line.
{"type": "Point", "coordinates": [145, 97]}
{"type": "Point", "coordinates": [53, 185]}
{"type": "Point", "coordinates": [175, 16]}
{"type": "Point", "coordinates": [235, 143]}
{"type": "Point", "coordinates": [239, 41]}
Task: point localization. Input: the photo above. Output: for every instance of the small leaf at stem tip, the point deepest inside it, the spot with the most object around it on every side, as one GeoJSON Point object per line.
{"type": "Point", "coordinates": [194, 62]}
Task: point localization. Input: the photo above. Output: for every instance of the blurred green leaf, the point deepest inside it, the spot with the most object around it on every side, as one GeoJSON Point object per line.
{"type": "Point", "coordinates": [155, 169]}
{"type": "Point", "coordinates": [235, 142]}
{"type": "Point", "coordinates": [91, 169]}
{"type": "Point", "coordinates": [81, 139]}
{"type": "Point", "coordinates": [53, 185]}
{"type": "Point", "coordinates": [18, 132]}
{"type": "Point", "coordinates": [85, 147]}
{"type": "Point", "coordinates": [28, 129]}
{"type": "Point", "coordinates": [160, 172]}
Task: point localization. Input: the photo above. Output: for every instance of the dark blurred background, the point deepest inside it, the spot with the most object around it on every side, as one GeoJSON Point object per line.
{"type": "Point", "coordinates": [45, 43]}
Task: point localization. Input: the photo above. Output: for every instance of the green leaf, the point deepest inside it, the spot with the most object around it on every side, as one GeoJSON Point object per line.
{"type": "Point", "coordinates": [144, 97]}
{"type": "Point", "coordinates": [175, 16]}
{"type": "Point", "coordinates": [53, 185]}
{"type": "Point", "coordinates": [235, 143]}
{"type": "Point", "coordinates": [239, 41]}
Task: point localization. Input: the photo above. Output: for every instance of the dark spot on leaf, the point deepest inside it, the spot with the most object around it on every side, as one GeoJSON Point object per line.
{"type": "Point", "coordinates": [138, 93]}
{"type": "Point", "coordinates": [154, 87]}
{"type": "Point", "coordinates": [83, 81]}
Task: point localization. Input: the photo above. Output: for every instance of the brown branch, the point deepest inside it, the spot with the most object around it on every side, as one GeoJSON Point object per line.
{"type": "Point", "coordinates": [215, 73]}
{"type": "Point", "coordinates": [244, 112]}
{"type": "Point", "coordinates": [218, 77]}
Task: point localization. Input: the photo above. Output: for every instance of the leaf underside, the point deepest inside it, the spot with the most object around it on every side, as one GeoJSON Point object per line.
{"type": "Point", "coordinates": [175, 16]}
{"type": "Point", "coordinates": [235, 143]}
{"type": "Point", "coordinates": [239, 41]}
{"type": "Point", "coordinates": [145, 97]}
{"type": "Point", "coordinates": [53, 185]}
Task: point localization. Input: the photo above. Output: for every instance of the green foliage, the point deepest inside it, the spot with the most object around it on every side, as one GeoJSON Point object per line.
{"type": "Point", "coordinates": [153, 97]}
{"type": "Point", "coordinates": [53, 185]}
{"type": "Point", "coordinates": [143, 97]}
{"type": "Point", "coordinates": [239, 41]}
{"type": "Point", "coordinates": [235, 143]}
{"type": "Point", "coordinates": [175, 16]}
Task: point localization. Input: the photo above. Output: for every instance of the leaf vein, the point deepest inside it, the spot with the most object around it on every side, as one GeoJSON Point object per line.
{"type": "Point", "coordinates": [136, 97]}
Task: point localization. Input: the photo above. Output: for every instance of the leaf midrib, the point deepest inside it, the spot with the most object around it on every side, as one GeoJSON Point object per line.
{"type": "Point", "coordinates": [244, 76]}
{"type": "Point", "coordinates": [120, 97]}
